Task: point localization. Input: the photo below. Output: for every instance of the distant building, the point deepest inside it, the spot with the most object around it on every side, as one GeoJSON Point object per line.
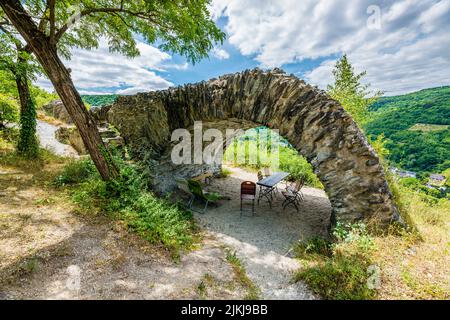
{"type": "Point", "coordinates": [437, 179]}
{"type": "Point", "coordinates": [403, 173]}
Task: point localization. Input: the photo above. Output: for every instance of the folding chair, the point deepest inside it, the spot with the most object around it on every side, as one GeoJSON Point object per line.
{"type": "Point", "coordinates": [293, 194]}
{"type": "Point", "coordinates": [267, 172]}
{"type": "Point", "coordinates": [248, 192]}
{"type": "Point", "coordinates": [197, 193]}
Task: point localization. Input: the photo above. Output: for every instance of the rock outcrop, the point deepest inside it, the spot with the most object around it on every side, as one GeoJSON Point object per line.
{"type": "Point", "coordinates": [70, 135]}
{"type": "Point", "coordinates": [57, 110]}
{"type": "Point", "coordinates": [316, 125]}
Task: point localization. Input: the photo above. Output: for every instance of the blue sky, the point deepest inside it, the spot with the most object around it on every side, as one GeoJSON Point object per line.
{"type": "Point", "coordinates": [213, 66]}
{"type": "Point", "coordinates": [403, 45]}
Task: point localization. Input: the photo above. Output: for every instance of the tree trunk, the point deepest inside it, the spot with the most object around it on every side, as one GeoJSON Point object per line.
{"type": "Point", "coordinates": [28, 143]}
{"type": "Point", "coordinates": [58, 74]}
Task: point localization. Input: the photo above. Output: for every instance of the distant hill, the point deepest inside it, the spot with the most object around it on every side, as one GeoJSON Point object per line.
{"type": "Point", "coordinates": [417, 127]}
{"type": "Point", "coordinates": [99, 100]}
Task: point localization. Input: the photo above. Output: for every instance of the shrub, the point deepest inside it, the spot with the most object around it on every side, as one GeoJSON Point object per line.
{"type": "Point", "coordinates": [315, 246]}
{"type": "Point", "coordinates": [8, 109]}
{"type": "Point", "coordinates": [339, 269]}
{"type": "Point", "coordinates": [76, 172]}
{"type": "Point", "coordinates": [298, 167]}
{"type": "Point", "coordinates": [342, 277]}
{"type": "Point", "coordinates": [225, 172]}
{"type": "Point", "coordinates": [127, 199]}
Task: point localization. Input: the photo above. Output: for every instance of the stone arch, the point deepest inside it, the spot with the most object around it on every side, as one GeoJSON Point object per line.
{"type": "Point", "coordinates": [316, 125]}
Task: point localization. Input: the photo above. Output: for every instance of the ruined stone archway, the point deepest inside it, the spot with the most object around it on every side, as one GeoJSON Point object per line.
{"type": "Point", "coordinates": [313, 123]}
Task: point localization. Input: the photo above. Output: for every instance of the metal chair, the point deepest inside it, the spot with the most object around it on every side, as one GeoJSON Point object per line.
{"type": "Point", "coordinates": [248, 192]}
{"type": "Point", "coordinates": [293, 194]}
{"type": "Point", "coordinates": [266, 192]}
{"type": "Point", "coordinates": [197, 193]}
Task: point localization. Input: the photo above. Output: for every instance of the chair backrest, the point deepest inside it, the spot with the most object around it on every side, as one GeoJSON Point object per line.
{"type": "Point", "coordinates": [267, 171]}
{"type": "Point", "coordinates": [196, 188]}
{"type": "Point", "coordinates": [299, 184]}
{"type": "Point", "coordinates": [248, 187]}
{"type": "Point", "coordinates": [260, 176]}
{"type": "Point", "coordinates": [183, 185]}
{"type": "Point", "coordinates": [296, 187]}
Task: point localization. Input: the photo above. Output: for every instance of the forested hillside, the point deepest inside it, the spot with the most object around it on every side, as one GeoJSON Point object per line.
{"type": "Point", "coordinates": [417, 128]}
{"type": "Point", "coordinates": [100, 99]}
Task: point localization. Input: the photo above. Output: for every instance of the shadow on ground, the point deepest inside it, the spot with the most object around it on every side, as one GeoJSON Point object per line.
{"type": "Point", "coordinates": [263, 242]}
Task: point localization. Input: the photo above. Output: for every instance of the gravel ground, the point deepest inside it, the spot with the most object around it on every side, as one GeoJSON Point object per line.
{"type": "Point", "coordinates": [263, 242]}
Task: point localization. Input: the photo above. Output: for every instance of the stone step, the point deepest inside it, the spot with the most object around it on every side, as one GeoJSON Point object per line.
{"type": "Point", "coordinates": [107, 133]}
{"type": "Point", "coordinates": [117, 141]}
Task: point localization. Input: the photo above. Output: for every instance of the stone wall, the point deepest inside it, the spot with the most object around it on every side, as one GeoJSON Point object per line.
{"type": "Point", "coordinates": [313, 123]}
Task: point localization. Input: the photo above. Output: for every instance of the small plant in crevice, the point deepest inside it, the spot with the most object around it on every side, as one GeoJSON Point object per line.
{"type": "Point", "coordinates": [253, 292]}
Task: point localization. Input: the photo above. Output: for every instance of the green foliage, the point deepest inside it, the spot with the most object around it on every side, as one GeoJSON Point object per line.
{"type": "Point", "coordinates": [18, 65]}
{"type": "Point", "coordinates": [8, 109]}
{"type": "Point", "coordinates": [99, 100]}
{"type": "Point", "coordinates": [28, 144]}
{"type": "Point", "coordinates": [415, 150]}
{"type": "Point", "coordinates": [314, 246]}
{"type": "Point", "coordinates": [353, 233]}
{"type": "Point", "coordinates": [253, 292]}
{"type": "Point", "coordinates": [75, 172]}
{"type": "Point", "coordinates": [126, 198]}
{"type": "Point", "coordinates": [8, 139]}
{"type": "Point", "coordinates": [348, 90]}
{"type": "Point", "coordinates": [246, 151]}
{"type": "Point", "coordinates": [225, 172]}
{"type": "Point", "coordinates": [340, 269]}
{"type": "Point", "coordinates": [42, 97]}
{"type": "Point", "coordinates": [9, 105]}
{"type": "Point", "coordinates": [298, 167]}
{"type": "Point", "coordinates": [339, 278]}
{"type": "Point", "coordinates": [179, 26]}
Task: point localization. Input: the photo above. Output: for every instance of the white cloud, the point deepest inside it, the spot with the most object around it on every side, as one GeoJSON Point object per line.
{"type": "Point", "coordinates": [100, 71]}
{"type": "Point", "coordinates": [220, 54]}
{"type": "Point", "coordinates": [409, 52]}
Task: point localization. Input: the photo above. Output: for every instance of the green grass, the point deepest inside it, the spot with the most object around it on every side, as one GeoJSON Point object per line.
{"type": "Point", "coordinates": [225, 172]}
{"type": "Point", "coordinates": [10, 157]}
{"type": "Point", "coordinates": [253, 292]}
{"type": "Point", "coordinates": [338, 270]}
{"type": "Point", "coordinates": [339, 278]}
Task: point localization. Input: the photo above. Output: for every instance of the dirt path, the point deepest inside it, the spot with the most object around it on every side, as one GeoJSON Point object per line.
{"type": "Point", "coordinates": [263, 242]}
{"type": "Point", "coordinates": [47, 251]}
{"type": "Point", "coordinates": [46, 133]}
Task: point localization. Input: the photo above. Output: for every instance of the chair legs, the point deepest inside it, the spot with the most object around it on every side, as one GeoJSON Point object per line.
{"type": "Point", "coordinates": [267, 193]}
{"type": "Point", "coordinates": [191, 204]}
{"type": "Point", "coordinates": [253, 208]}
{"type": "Point", "coordinates": [206, 207]}
{"type": "Point", "coordinates": [295, 200]}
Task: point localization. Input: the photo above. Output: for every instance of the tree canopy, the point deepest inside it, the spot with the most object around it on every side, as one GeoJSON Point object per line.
{"type": "Point", "coordinates": [347, 88]}
{"type": "Point", "coordinates": [179, 26]}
